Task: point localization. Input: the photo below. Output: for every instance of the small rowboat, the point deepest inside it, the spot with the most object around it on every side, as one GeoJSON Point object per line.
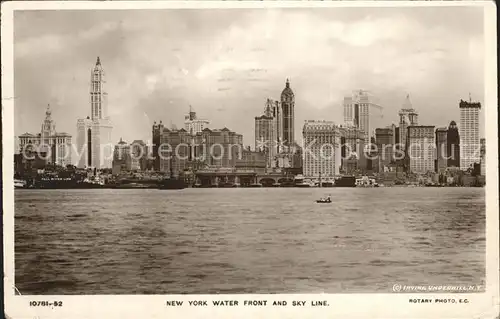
{"type": "Point", "coordinates": [324, 201]}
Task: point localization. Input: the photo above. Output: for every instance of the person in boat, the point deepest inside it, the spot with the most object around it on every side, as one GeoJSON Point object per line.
{"type": "Point", "coordinates": [325, 200]}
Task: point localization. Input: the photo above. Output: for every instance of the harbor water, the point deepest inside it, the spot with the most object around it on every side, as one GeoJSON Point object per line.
{"type": "Point", "coordinates": [262, 240]}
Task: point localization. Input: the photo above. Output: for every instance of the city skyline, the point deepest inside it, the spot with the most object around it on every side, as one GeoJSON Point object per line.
{"type": "Point", "coordinates": [143, 87]}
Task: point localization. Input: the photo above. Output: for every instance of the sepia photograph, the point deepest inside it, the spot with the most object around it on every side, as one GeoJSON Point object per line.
{"type": "Point", "coordinates": [251, 150]}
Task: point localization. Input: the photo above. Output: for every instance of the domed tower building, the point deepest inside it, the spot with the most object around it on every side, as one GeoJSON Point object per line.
{"type": "Point", "coordinates": [288, 115]}
{"type": "Point", "coordinates": [55, 145]}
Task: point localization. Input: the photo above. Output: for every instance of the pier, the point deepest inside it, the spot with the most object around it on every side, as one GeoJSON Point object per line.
{"type": "Point", "coordinates": [244, 177]}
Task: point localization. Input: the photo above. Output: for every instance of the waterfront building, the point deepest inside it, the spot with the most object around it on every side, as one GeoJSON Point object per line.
{"type": "Point", "coordinates": [157, 132]}
{"type": "Point", "coordinates": [288, 115]}
{"type": "Point", "coordinates": [441, 149]}
{"type": "Point", "coordinates": [361, 111]}
{"type": "Point", "coordinates": [353, 156]}
{"type": "Point", "coordinates": [122, 159]}
{"type": "Point", "coordinates": [322, 152]}
{"type": "Point", "coordinates": [297, 161]}
{"type": "Point", "coordinates": [469, 134]}
{"type": "Point", "coordinates": [218, 147]}
{"type": "Point", "coordinates": [291, 161]}
{"type": "Point", "coordinates": [407, 117]}
{"type": "Point", "coordinates": [252, 160]}
{"type": "Point", "coordinates": [420, 149]}
{"type": "Point", "coordinates": [278, 125]}
{"type": "Point", "coordinates": [139, 151]}
{"type": "Point", "coordinates": [453, 145]}
{"type": "Point", "coordinates": [29, 162]}
{"type": "Point", "coordinates": [283, 161]}
{"type": "Point", "coordinates": [394, 130]}
{"type": "Point", "coordinates": [176, 150]}
{"type": "Point", "coordinates": [266, 133]}
{"type": "Point", "coordinates": [55, 145]}
{"type": "Point", "coordinates": [385, 141]}
{"type": "Point", "coordinates": [372, 157]}
{"type": "Point", "coordinates": [94, 146]}
{"type": "Point", "coordinates": [194, 125]}
{"type": "Point", "coordinates": [483, 156]}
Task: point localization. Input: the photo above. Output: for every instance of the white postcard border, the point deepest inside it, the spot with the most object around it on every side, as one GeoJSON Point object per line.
{"type": "Point", "coordinates": [480, 305]}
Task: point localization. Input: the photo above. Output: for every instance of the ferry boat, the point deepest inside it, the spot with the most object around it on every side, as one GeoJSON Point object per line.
{"type": "Point", "coordinates": [256, 185]}
{"type": "Point", "coordinates": [136, 181]}
{"type": "Point", "coordinates": [327, 183]}
{"type": "Point", "coordinates": [226, 185]}
{"type": "Point", "coordinates": [172, 183]}
{"type": "Point", "coordinates": [19, 183]}
{"type": "Point", "coordinates": [323, 182]}
{"type": "Point", "coordinates": [300, 182]}
{"type": "Point", "coordinates": [133, 185]}
{"type": "Point", "coordinates": [287, 183]}
{"type": "Point", "coordinates": [66, 183]}
{"type": "Point", "coordinates": [365, 181]}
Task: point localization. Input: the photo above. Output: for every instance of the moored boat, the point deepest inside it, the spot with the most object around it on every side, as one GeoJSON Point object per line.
{"type": "Point", "coordinates": [300, 182]}
{"type": "Point", "coordinates": [366, 181]}
{"type": "Point", "coordinates": [19, 183]}
{"type": "Point", "coordinates": [256, 185]}
{"type": "Point", "coordinates": [172, 183]}
{"type": "Point", "coordinates": [133, 186]}
{"type": "Point", "coordinates": [345, 181]}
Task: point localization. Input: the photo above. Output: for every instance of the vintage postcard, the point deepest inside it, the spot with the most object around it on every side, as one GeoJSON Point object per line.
{"type": "Point", "coordinates": [250, 159]}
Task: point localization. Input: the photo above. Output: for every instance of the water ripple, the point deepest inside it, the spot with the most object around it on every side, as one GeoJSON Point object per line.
{"type": "Point", "coordinates": [246, 240]}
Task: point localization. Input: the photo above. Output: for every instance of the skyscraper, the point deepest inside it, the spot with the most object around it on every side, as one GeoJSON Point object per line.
{"type": "Point", "coordinates": [384, 138]}
{"type": "Point", "coordinates": [218, 147]}
{"type": "Point", "coordinates": [122, 159]}
{"type": "Point", "coordinates": [420, 149]}
{"type": "Point", "coordinates": [323, 154]}
{"type": "Point", "coordinates": [266, 133]}
{"type": "Point", "coordinates": [288, 115]}
{"type": "Point", "coordinates": [407, 117]}
{"type": "Point", "coordinates": [469, 134]}
{"type": "Point", "coordinates": [278, 124]}
{"type": "Point", "coordinates": [361, 111]}
{"type": "Point", "coordinates": [348, 111]}
{"type": "Point", "coordinates": [453, 145]}
{"type": "Point", "coordinates": [175, 150]}
{"type": "Point", "coordinates": [441, 149]}
{"type": "Point", "coordinates": [157, 133]}
{"type": "Point", "coordinates": [94, 146]}
{"type": "Point", "coordinates": [353, 148]}
{"type": "Point", "coordinates": [139, 150]}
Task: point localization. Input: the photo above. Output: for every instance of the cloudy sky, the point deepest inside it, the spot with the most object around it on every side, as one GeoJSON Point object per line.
{"type": "Point", "coordinates": [225, 63]}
